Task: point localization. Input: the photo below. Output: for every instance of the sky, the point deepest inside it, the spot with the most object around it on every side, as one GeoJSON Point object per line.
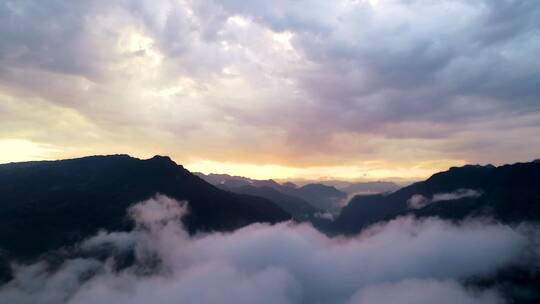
{"type": "Point", "coordinates": [273, 89]}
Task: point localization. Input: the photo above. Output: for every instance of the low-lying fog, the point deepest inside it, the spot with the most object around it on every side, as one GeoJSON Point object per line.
{"type": "Point", "coordinates": [405, 260]}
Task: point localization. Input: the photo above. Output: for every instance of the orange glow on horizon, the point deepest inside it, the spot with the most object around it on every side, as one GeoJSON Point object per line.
{"type": "Point", "coordinates": [379, 170]}
{"type": "Point", "coordinates": [21, 150]}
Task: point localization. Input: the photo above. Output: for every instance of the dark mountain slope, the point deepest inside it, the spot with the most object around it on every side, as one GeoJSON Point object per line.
{"type": "Point", "coordinates": [370, 187]}
{"type": "Point", "coordinates": [300, 209]}
{"type": "Point", "coordinates": [320, 196]}
{"type": "Point", "coordinates": [45, 205]}
{"type": "Point", "coordinates": [509, 193]}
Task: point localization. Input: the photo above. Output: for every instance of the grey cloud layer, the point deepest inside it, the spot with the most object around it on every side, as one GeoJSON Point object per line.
{"type": "Point", "coordinates": [405, 73]}
{"type": "Point", "coordinates": [402, 261]}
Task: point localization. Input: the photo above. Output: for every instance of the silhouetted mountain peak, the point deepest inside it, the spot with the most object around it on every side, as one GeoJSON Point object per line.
{"type": "Point", "coordinates": [165, 162]}
{"type": "Point", "coordinates": [162, 158]}
{"type": "Point", "coordinates": [473, 167]}
{"type": "Point", "coordinates": [67, 200]}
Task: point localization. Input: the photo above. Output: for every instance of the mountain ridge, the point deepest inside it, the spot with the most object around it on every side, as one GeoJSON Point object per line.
{"type": "Point", "coordinates": [325, 197]}
{"type": "Point", "coordinates": [507, 193]}
{"type": "Point", "coordinates": [66, 200]}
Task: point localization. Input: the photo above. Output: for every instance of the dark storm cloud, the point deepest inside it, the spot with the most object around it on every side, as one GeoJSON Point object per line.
{"type": "Point", "coordinates": [477, 59]}
{"type": "Point", "coordinates": [48, 36]}
{"type": "Point", "coordinates": [301, 74]}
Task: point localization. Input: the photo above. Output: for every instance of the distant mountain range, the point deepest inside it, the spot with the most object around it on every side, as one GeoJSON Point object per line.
{"type": "Point", "coordinates": [347, 187]}
{"type": "Point", "coordinates": [323, 197]}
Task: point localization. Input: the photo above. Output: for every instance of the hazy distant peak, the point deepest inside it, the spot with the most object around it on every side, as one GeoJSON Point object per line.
{"type": "Point", "coordinates": [315, 186]}
{"type": "Point", "coordinates": [267, 182]}
{"type": "Point", "coordinates": [290, 185]}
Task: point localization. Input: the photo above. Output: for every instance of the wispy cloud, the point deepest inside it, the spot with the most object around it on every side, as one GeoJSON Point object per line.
{"type": "Point", "coordinates": [418, 201]}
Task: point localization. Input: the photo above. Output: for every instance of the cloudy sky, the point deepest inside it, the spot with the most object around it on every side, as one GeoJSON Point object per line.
{"type": "Point", "coordinates": [353, 89]}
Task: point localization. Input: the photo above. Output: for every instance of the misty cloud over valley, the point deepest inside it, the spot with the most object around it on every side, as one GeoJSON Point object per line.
{"type": "Point", "coordinates": [418, 201]}
{"type": "Point", "coordinates": [405, 260]}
